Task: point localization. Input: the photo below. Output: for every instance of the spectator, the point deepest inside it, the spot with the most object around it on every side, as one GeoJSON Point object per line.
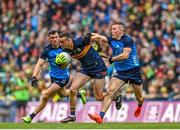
{"type": "Point", "coordinates": [155, 26]}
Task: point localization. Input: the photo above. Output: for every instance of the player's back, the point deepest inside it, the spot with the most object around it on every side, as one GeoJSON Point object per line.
{"type": "Point", "coordinates": [50, 54]}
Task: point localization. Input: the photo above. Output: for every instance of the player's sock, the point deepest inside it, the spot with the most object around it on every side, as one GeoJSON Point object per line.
{"type": "Point", "coordinates": [102, 114]}
{"type": "Point", "coordinates": [79, 95]}
{"type": "Point", "coordinates": [72, 112]}
{"type": "Point", "coordinates": [82, 95]}
{"type": "Point", "coordinates": [32, 115]}
{"type": "Point", "coordinates": [140, 105]}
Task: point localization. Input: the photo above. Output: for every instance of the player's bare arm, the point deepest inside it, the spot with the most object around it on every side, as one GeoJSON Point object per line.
{"type": "Point", "coordinates": [97, 37]}
{"type": "Point", "coordinates": [124, 55]}
{"type": "Point", "coordinates": [38, 67]}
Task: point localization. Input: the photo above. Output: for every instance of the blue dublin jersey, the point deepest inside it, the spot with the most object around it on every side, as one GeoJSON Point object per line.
{"type": "Point", "coordinates": [117, 48]}
{"type": "Point", "coordinates": [49, 54]}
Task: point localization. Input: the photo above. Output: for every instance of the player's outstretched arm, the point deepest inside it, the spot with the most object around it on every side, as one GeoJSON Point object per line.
{"type": "Point", "coordinates": [97, 37]}
{"type": "Point", "coordinates": [99, 40]}
{"type": "Point", "coordinates": [38, 67]}
{"type": "Point", "coordinates": [34, 81]}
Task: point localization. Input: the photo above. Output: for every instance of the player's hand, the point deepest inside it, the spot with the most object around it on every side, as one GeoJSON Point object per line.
{"type": "Point", "coordinates": [110, 60]}
{"type": "Point", "coordinates": [60, 59]}
{"type": "Point", "coordinates": [96, 47]}
{"type": "Point", "coordinates": [34, 82]}
{"type": "Point", "coordinates": [87, 38]}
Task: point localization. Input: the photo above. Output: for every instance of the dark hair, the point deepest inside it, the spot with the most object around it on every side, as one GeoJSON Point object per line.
{"type": "Point", "coordinates": [119, 23]}
{"type": "Point", "coordinates": [52, 32]}
{"type": "Point", "coordinates": [65, 34]}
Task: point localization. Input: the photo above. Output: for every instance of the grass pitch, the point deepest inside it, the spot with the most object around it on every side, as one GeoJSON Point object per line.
{"type": "Point", "coordinates": [90, 126]}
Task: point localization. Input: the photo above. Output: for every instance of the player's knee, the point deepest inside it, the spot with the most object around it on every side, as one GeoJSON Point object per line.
{"type": "Point", "coordinates": [99, 97]}
{"type": "Point", "coordinates": [73, 91]}
{"type": "Point", "coordinates": [109, 93]}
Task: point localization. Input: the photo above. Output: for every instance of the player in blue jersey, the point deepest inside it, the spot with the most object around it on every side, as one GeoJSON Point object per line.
{"type": "Point", "coordinates": [92, 66]}
{"type": "Point", "coordinates": [127, 67]}
{"type": "Point", "coordinates": [59, 77]}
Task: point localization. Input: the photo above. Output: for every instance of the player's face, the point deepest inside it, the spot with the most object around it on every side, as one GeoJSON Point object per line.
{"type": "Point", "coordinates": [54, 39]}
{"type": "Point", "coordinates": [65, 42]}
{"type": "Point", "coordinates": [117, 31]}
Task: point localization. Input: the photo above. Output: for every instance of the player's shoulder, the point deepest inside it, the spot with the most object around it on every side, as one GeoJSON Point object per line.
{"type": "Point", "coordinates": [45, 51]}
{"type": "Point", "coordinates": [127, 38]}
{"type": "Point", "coordinates": [109, 38]}
{"type": "Point", "coordinates": [48, 47]}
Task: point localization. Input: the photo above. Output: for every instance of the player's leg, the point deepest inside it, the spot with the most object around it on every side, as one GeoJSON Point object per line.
{"type": "Point", "coordinates": [99, 73]}
{"type": "Point", "coordinates": [114, 85]}
{"type": "Point", "coordinates": [43, 101]}
{"type": "Point", "coordinates": [118, 99]}
{"type": "Point", "coordinates": [136, 81]}
{"type": "Point", "coordinates": [98, 89]}
{"type": "Point", "coordinates": [68, 85]}
{"type": "Point", "coordinates": [138, 90]}
{"type": "Point", "coordinates": [45, 97]}
{"type": "Point", "coordinates": [78, 82]}
{"type": "Point", "coordinates": [63, 92]}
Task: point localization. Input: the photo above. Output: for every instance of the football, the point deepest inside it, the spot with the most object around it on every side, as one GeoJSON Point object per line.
{"type": "Point", "coordinates": [63, 59]}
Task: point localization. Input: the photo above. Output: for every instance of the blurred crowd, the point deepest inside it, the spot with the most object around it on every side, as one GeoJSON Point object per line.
{"type": "Point", "coordinates": [154, 25]}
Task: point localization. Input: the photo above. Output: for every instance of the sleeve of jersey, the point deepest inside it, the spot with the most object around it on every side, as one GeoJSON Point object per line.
{"type": "Point", "coordinates": [78, 42]}
{"type": "Point", "coordinates": [43, 55]}
{"type": "Point", "coordinates": [128, 42]}
{"type": "Point", "coordinates": [109, 39]}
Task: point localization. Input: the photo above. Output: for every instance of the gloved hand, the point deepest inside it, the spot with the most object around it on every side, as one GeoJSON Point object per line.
{"type": "Point", "coordinates": [87, 38]}
{"type": "Point", "coordinates": [96, 47]}
{"type": "Point", "coordinates": [60, 59]}
{"type": "Point", "coordinates": [34, 82]}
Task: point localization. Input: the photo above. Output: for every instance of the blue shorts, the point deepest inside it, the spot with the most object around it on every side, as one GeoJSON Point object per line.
{"type": "Point", "coordinates": [97, 72]}
{"type": "Point", "coordinates": [132, 75]}
{"type": "Point", "coordinates": [60, 82]}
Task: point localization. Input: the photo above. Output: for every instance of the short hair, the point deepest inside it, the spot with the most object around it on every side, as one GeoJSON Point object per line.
{"type": "Point", "coordinates": [119, 23]}
{"type": "Point", "coordinates": [65, 34]}
{"type": "Point", "coordinates": [53, 31]}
